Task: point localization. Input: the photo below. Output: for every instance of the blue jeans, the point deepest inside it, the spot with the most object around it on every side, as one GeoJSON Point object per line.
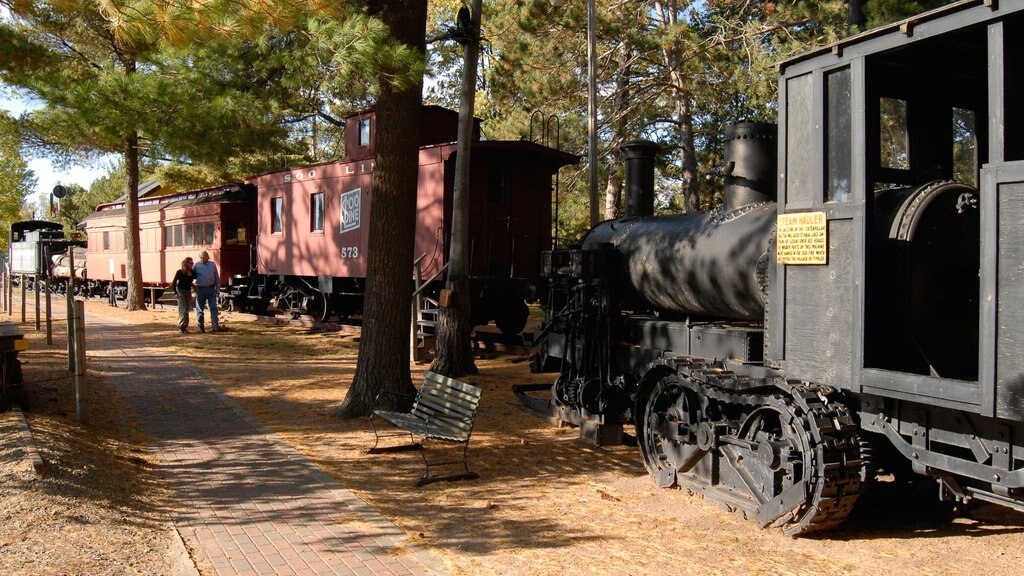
{"type": "Point", "coordinates": [204, 296]}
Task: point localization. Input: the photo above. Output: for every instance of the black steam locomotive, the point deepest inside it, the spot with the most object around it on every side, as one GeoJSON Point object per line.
{"type": "Point", "coordinates": [856, 303]}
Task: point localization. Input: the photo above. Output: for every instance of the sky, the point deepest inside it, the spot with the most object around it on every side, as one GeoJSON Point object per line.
{"type": "Point", "coordinates": [47, 176]}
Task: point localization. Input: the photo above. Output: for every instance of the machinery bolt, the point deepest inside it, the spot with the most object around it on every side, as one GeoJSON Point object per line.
{"type": "Point", "coordinates": [915, 456]}
{"type": "Point", "coordinates": [996, 477]}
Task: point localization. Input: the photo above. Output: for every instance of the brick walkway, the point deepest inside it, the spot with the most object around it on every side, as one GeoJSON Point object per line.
{"type": "Point", "coordinates": [247, 502]}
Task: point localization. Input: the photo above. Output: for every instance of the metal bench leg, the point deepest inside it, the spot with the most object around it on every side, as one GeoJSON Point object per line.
{"type": "Point", "coordinates": [378, 434]}
{"type": "Point", "coordinates": [466, 475]}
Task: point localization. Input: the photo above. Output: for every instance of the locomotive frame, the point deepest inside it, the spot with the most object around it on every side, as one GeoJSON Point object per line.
{"type": "Point", "coordinates": [776, 353]}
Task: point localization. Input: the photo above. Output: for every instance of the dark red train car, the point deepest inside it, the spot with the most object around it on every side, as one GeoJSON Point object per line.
{"type": "Point", "coordinates": [311, 244]}
{"type": "Point", "coordinates": [220, 220]}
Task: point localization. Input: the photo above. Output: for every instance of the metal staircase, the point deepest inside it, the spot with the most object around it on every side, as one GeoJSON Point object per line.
{"type": "Point", "coordinates": [425, 311]}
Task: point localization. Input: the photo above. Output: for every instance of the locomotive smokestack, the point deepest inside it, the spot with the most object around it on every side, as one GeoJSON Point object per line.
{"type": "Point", "coordinates": [638, 156]}
{"type": "Point", "coordinates": [751, 153]}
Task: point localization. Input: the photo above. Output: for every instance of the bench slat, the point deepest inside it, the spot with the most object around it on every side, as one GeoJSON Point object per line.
{"type": "Point", "coordinates": [421, 428]}
{"type": "Point", "coordinates": [429, 404]}
{"type": "Point", "coordinates": [455, 395]}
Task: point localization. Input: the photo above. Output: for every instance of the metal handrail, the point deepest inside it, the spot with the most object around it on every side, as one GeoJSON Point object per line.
{"type": "Point", "coordinates": [429, 280]}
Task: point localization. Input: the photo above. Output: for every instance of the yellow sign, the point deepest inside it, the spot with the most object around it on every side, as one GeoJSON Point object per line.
{"type": "Point", "coordinates": [802, 238]}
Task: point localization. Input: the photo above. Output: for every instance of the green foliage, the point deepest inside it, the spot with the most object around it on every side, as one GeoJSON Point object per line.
{"type": "Point", "coordinates": [16, 180]}
{"type": "Point", "coordinates": [881, 12]}
{"type": "Point", "coordinates": [673, 71]}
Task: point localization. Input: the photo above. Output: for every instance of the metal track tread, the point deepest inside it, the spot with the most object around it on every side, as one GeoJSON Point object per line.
{"type": "Point", "coordinates": [828, 459]}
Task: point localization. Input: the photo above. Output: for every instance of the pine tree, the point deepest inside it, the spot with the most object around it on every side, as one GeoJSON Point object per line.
{"type": "Point", "coordinates": [16, 180]}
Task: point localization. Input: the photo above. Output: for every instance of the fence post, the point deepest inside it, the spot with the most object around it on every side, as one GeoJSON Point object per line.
{"type": "Point", "coordinates": [23, 298]}
{"type": "Point", "coordinates": [70, 296]}
{"type": "Point", "coordinates": [81, 384]}
{"type": "Point", "coordinates": [35, 289]}
{"type": "Point", "coordinates": [49, 321]}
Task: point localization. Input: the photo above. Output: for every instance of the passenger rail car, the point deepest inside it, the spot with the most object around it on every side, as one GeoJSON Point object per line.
{"type": "Point", "coordinates": [855, 305]}
{"type": "Point", "coordinates": [220, 220]}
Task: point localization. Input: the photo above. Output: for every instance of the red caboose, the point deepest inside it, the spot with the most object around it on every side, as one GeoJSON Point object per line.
{"type": "Point", "coordinates": [220, 220]}
{"type": "Point", "coordinates": [313, 221]}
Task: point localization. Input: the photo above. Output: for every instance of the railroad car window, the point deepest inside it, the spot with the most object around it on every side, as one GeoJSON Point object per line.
{"type": "Point", "coordinates": [188, 234]}
{"type": "Point", "coordinates": [317, 212]}
{"type": "Point", "coordinates": [234, 233]}
{"type": "Point", "coordinates": [965, 147]}
{"type": "Point", "coordinates": [839, 134]}
{"type": "Point", "coordinates": [364, 131]}
{"type": "Point", "coordinates": [1013, 77]}
{"type": "Point", "coordinates": [106, 240]}
{"type": "Point", "coordinates": [277, 215]}
{"type": "Point", "coordinates": [895, 140]}
{"type": "Point", "coordinates": [800, 141]}
{"type": "Point", "coordinates": [209, 227]}
{"type": "Point", "coordinates": [177, 235]}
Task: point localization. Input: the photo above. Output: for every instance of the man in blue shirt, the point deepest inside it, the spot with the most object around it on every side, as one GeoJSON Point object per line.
{"type": "Point", "coordinates": [207, 289]}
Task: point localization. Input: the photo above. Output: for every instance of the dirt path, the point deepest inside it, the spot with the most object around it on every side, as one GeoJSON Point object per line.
{"type": "Point", "coordinates": [546, 504]}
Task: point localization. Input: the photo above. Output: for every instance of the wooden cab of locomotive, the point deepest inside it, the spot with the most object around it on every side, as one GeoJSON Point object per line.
{"type": "Point", "coordinates": [899, 259]}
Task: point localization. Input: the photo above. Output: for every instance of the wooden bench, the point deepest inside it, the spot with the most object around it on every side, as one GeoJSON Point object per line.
{"type": "Point", "coordinates": [444, 410]}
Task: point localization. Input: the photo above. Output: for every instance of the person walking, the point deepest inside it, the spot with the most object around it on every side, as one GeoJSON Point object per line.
{"type": "Point", "coordinates": [182, 283]}
{"type": "Point", "coordinates": [207, 289]}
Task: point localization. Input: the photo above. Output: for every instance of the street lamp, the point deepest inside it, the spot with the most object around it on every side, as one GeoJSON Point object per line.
{"type": "Point", "coordinates": [591, 106]}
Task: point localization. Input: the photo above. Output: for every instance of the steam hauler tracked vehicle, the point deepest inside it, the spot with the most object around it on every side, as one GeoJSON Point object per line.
{"type": "Point", "coordinates": [856, 304]}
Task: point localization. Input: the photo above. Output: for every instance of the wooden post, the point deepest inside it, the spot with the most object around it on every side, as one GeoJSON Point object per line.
{"type": "Point", "coordinates": [49, 322]}
{"type": "Point", "coordinates": [35, 289]}
{"type": "Point", "coordinates": [413, 341]}
{"type": "Point", "coordinates": [23, 298]}
{"type": "Point", "coordinates": [81, 384]}
{"type": "Point", "coordinates": [71, 310]}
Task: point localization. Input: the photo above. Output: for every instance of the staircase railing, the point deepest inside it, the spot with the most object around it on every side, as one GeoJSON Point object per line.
{"type": "Point", "coordinates": [422, 306]}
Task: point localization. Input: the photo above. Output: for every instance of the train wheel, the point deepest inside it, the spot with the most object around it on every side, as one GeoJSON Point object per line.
{"type": "Point", "coordinates": [316, 304]}
{"type": "Point", "coordinates": [666, 430]}
{"type": "Point", "coordinates": [511, 318]}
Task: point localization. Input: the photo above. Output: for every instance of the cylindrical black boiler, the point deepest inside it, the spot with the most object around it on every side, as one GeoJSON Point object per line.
{"type": "Point", "coordinates": [711, 265]}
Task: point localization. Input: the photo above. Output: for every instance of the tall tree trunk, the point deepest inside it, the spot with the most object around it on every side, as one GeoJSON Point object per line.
{"type": "Point", "coordinates": [674, 62]}
{"type": "Point", "coordinates": [455, 321]}
{"type": "Point", "coordinates": [382, 365]}
{"type": "Point", "coordinates": [856, 19]}
{"type": "Point", "coordinates": [687, 152]}
{"type": "Point", "coordinates": [134, 299]}
{"type": "Point", "coordinates": [613, 191]}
